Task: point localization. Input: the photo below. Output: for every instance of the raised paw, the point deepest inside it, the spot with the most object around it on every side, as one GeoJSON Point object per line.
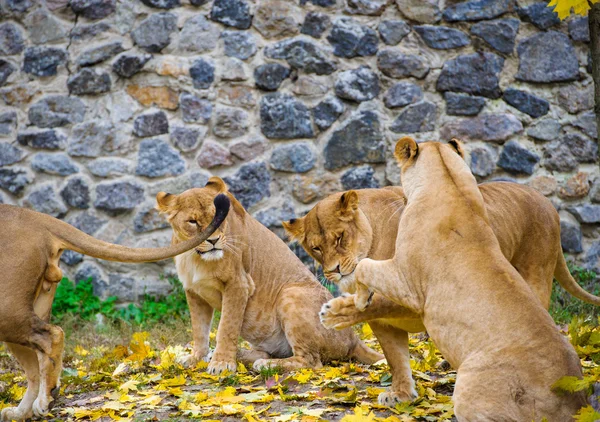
{"type": "Point", "coordinates": [339, 313]}
{"type": "Point", "coordinates": [216, 367]}
{"type": "Point", "coordinates": [14, 414]}
{"type": "Point", "coordinates": [391, 398]}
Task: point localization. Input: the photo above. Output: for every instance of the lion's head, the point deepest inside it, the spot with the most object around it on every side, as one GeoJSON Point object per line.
{"type": "Point", "coordinates": [336, 234]}
{"type": "Point", "coordinates": [191, 211]}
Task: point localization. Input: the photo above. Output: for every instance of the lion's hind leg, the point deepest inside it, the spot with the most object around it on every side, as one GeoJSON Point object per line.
{"type": "Point", "coordinates": [28, 360]}
{"type": "Point", "coordinates": [298, 361]}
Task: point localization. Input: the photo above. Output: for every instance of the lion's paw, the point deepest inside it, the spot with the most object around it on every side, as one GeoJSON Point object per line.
{"type": "Point", "coordinates": [190, 360]}
{"type": "Point", "coordinates": [262, 363]}
{"type": "Point", "coordinates": [339, 313]}
{"type": "Point", "coordinates": [41, 406]}
{"type": "Point", "coordinates": [216, 367]}
{"type": "Point", "coordinates": [14, 414]}
{"type": "Point", "coordinates": [391, 398]}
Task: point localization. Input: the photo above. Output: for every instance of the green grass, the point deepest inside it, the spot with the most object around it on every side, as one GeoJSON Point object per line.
{"type": "Point", "coordinates": [563, 306]}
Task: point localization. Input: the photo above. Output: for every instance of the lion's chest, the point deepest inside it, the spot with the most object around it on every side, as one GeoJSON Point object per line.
{"type": "Point", "coordinates": [197, 279]}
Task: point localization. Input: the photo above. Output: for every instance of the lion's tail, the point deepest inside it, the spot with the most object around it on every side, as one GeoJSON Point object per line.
{"type": "Point", "coordinates": [364, 354]}
{"type": "Point", "coordinates": [566, 280]}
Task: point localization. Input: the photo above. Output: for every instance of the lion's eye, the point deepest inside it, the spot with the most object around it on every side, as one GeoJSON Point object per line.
{"type": "Point", "coordinates": [194, 222]}
{"type": "Point", "coordinates": [316, 249]}
{"type": "Point", "coordinates": [338, 241]}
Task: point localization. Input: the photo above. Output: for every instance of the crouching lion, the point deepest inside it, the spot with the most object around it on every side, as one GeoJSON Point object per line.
{"type": "Point", "coordinates": [32, 244]}
{"type": "Point", "coordinates": [346, 227]}
{"type": "Point", "coordinates": [263, 290]}
{"type": "Point", "coordinates": [487, 322]}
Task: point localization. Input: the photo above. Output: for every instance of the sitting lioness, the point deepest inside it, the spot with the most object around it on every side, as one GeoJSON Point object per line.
{"type": "Point", "coordinates": [263, 290]}
{"type": "Point", "coordinates": [32, 244]}
{"type": "Point", "coordinates": [487, 322]}
{"type": "Point", "coordinates": [346, 227]}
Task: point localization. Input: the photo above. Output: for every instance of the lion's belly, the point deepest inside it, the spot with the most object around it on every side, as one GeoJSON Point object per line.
{"type": "Point", "coordinates": [408, 325]}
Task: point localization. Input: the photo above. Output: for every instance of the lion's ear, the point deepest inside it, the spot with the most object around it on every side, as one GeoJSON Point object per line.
{"type": "Point", "coordinates": [217, 184]}
{"type": "Point", "coordinates": [406, 148]}
{"type": "Point", "coordinates": [164, 201]}
{"type": "Point", "coordinates": [348, 205]}
{"type": "Point", "coordinates": [457, 146]}
{"type": "Point", "coordinates": [294, 228]}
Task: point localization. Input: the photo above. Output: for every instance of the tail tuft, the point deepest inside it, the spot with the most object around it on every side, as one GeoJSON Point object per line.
{"type": "Point", "coordinates": [222, 204]}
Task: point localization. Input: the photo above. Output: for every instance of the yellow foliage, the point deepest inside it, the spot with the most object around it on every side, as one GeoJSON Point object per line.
{"type": "Point", "coordinates": [587, 414]}
{"type": "Point", "coordinates": [140, 350]}
{"type": "Point", "coordinates": [563, 7]}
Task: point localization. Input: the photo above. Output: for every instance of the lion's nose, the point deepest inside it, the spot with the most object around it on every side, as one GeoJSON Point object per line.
{"type": "Point", "coordinates": [213, 241]}
{"type": "Point", "coordinates": [338, 270]}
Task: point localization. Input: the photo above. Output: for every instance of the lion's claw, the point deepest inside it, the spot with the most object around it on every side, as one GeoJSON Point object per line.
{"type": "Point", "coordinates": [216, 367]}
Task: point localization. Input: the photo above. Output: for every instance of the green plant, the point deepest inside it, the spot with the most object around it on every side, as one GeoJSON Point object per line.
{"type": "Point", "coordinates": [79, 299]}
{"type": "Point", "coordinates": [563, 306]}
{"type": "Point", "coordinates": [267, 372]}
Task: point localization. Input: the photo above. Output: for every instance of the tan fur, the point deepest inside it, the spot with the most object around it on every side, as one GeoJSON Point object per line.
{"type": "Point", "coordinates": [32, 244]}
{"type": "Point", "coordinates": [525, 222]}
{"type": "Point", "coordinates": [264, 292]}
{"type": "Point", "coordinates": [477, 308]}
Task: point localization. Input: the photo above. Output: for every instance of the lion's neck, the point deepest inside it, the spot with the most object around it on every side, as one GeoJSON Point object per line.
{"type": "Point", "coordinates": [383, 215]}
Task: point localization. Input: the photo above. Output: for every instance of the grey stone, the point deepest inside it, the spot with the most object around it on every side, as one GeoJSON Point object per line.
{"type": "Point", "coordinates": [402, 94]}
{"type": "Point", "coordinates": [442, 37]}
{"type": "Point", "coordinates": [579, 29]}
{"type": "Point", "coordinates": [198, 35]}
{"type": "Point", "coordinates": [186, 139]}
{"type": "Point", "coordinates": [302, 54]}
{"type": "Point", "coordinates": [189, 180]}
{"type": "Point", "coordinates": [297, 157]}
{"type": "Point", "coordinates": [249, 149]}
{"type": "Point", "coordinates": [56, 111]}
{"type": "Point", "coordinates": [199, 2]}
{"type": "Point", "coordinates": [558, 157]}
{"type": "Point", "coordinates": [149, 219]}
{"type": "Point", "coordinates": [108, 167]}
{"type": "Point", "coordinates": [269, 76]}
{"type": "Point", "coordinates": [202, 72]}
{"type": "Point", "coordinates": [230, 122]}
{"type": "Point", "coordinates": [90, 271]}
{"type": "Point", "coordinates": [321, 3]}
{"type": "Point", "coordinates": [483, 162]}
{"type": "Point", "coordinates": [327, 112]}
{"type": "Point", "coordinates": [414, 118]}
{"type": "Point", "coordinates": [162, 4]}
{"type": "Point", "coordinates": [366, 7]}
{"type": "Point", "coordinates": [587, 123]}
{"type": "Point", "coordinates": [59, 164]}
{"type": "Point", "coordinates": [359, 140]}
{"type": "Point", "coordinates": [570, 237]}
{"type": "Point", "coordinates": [526, 102]}
{"type": "Point", "coordinates": [118, 196]}
{"type": "Point", "coordinates": [273, 216]}
{"type": "Point", "coordinates": [99, 54]}
{"type": "Point", "coordinates": [45, 200]}
{"type": "Point", "coordinates": [586, 213]}
{"type": "Point", "coordinates": [87, 32]}
{"type": "Point", "coordinates": [575, 99]}
{"type": "Point", "coordinates": [422, 11]}
{"type": "Point", "coordinates": [16, 6]}
{"type": "Point", "coordinates": [284, 117]}
{"type": "Point", "coordinates": [213, 154]}
{"type": "Point", "coordinates": [351, 39]}
{"type": "Point", "coordinates": [362, 177]}
{"type": "Point", "coordinates": [274, 18]}
{"type": "Point", "coordinates": [154, 33]}
{"type": "Point", "coordinates": [499, 34]}
{"type": "Point", "coordinates": [89, 82]}
{"type": "Point", "coordinates": [43, 27]}
{"type": "Point", "coordinates": [156, 159]}
{"type": "Point", "coordinates": [8, 121]}
{"type": "Point", "coordinates": [458, 104]}
{"type": "Point", "coordinates": [71, 258]}
{"type": "Point", "coordinates": [485, 127]}
{"type": "Point", "coordinates": [544, 130]}
{"type": "Point", "coordinates": [358, 85]}
{"type": "Point", "coordinates": [232, 69]}
{"type": "Point", "coordinates": [476, 10]}
{"type": "Point", "coordinates": [47, 139]}
{"type": "Point", "coordinates": [595, 192]}
{"type": "Point", "coordinates": [581, 147]}
{"type": "Point", "coordinates": [6, 69]}
{"type": "Point", "coordinates": [194, 109]}
{"type": "Point", "coordinates": [517, 159]}
{"type": "Point", "coordinates": [93, 9]}
{"type": "Point", "coordinates": [43, 61]}
{"type": "Point", "coordinates": [119, 285]}
{"type": "Point", "coordinates": [250, 184]}
{"type": "Point", "coordinates": [15, 179]}
{"type": "Point", "coordinates": [11, 39]}
{"type": "Point", "coordinates": [76, 193]}
{"type": "Point", "coordinates": [476, 73]}
{"type": "Point", "coordinates": [239, 44]}
{"type": "Point", "coordinates": [10, 154]}
{"type": "Point", "coordinates": [547, 57]}
{"type": "Point", "coordinates": [128, 65]}
{"type": "Point", "coordinates": [392, 32]}
{"type": "Point", "coordinates": [315, 24]}
{"type": "Point", "coordinates": [539, 14]}
{"type": "Point", "coordinates": [92, 139]}
{"type": "Point", "coordinates": [151, 124]}
{"type": "Point", "coordinates": [235, 13]}
{"type": "Point", "coordinates": [398, 65]}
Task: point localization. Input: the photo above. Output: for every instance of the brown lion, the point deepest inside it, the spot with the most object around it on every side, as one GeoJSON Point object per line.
{"type": "Point", "coordinates": [32, 244]}
{"type": "Point", "coordinates": [450, 269]}
{"type": "Point", "coordinates": [264, 292]}
{"type": "Point", "coordinates": [347, 227]}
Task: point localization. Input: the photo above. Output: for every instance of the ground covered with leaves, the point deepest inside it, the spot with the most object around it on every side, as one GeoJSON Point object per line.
{"type": "Point", "coordinates": [123, 374]}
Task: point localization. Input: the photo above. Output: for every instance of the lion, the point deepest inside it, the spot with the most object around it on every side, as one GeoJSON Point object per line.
{"type": "Point", "coordinates": [264, 292]}
{"type": "Point", "coordinates": [450, 270]}
{"type": "Point", "coordinates": [32, 244]}
{"type": "Point", "coordinates": [346, 227]}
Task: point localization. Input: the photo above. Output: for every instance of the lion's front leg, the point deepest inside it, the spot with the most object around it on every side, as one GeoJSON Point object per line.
{"type": "Point", "coordinates": [235, 299]}
{"type": "Point", "coordinates": [201, 314]}
{"type": "Point", "coordinates": [29, 361]}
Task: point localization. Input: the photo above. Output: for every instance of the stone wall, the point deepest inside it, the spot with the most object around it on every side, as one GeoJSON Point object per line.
{"type": "Point", "coordinates": [104, 103]}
